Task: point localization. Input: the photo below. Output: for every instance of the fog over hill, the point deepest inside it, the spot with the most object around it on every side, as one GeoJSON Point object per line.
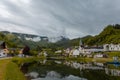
{"type": "Point", "coordinates": [33, 37]}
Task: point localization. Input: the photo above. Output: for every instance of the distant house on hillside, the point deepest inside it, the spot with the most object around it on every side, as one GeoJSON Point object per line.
{"type": "Point", "coordinates": [3, 49]}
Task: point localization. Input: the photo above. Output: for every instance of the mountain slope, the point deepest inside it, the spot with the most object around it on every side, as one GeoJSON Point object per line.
{"type": "Point", "coordinates": [111, 34]}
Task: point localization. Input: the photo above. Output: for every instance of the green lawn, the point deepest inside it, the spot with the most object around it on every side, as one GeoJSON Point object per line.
{"type": "Point", "coordinates": [10, 68]}
{"type": "Point", "coordinates": [13, 72]}
{"type": "Point", "coordinates": [3, 65]}
{"type": "Point", "coordinates": [10, 71]}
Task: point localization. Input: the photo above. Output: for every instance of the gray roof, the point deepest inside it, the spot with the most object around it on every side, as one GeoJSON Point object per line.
{"type": "Point", "coordinates": [93, 47]}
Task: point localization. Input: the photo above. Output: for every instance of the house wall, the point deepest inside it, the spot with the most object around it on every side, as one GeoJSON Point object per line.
{"type": "Point", "coordinates": [89, 51]}
{"type": "Point", "coordinates": [76, 52]}
{"type": "Point", "coordinates": [2, 53]}
{"type": "Point", "coordinates": [112, 47]}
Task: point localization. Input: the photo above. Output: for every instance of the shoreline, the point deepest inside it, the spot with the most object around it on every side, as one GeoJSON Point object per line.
{"type": "Point", "coordinates": [12, 65]}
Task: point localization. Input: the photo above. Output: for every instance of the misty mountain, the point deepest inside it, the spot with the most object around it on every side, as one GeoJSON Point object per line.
{"type": "Point", "coordinates": [35, 38]}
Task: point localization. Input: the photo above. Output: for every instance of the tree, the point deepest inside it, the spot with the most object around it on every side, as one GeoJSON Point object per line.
{"type": "Point", "coordinates": [26, 50]}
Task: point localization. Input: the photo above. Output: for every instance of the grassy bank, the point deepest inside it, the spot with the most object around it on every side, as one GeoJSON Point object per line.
{"type": "Point", "coordinates": [20, 61]}
{"type": "Point", "coordinates": [10, 68]}
{"type": "Point", "coordinates": [10, 71]}
{"type": "Point", "coordinates": [13, 72]}
{"type": "Point", "coordinates": [3, 65]}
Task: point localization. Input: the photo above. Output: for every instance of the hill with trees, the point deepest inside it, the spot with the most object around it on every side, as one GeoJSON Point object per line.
{"type": "Point", "coordinates": [110, 34]}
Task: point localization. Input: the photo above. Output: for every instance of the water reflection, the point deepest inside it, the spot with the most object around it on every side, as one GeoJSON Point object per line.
{"type": "Point", "coordinates": [83, 65]}
{"type": "Point", "coordinates": [112, 72]}
{"type": "Point", "coordinates": [52, 75]}
{"type": "Point", "coordinates": [70, 70]}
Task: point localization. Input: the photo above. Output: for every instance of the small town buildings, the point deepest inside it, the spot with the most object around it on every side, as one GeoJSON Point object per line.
{"type": "Point", "coordinates": [87, 50]}
{"type": "Point", "coordinates": [76, 52]}
{"type": "Point", "coordinates": [3, 49]}
{"type": "Point", "coordinates": [111, 47]}
{"type": "Point", "coordinates": [67, 52]}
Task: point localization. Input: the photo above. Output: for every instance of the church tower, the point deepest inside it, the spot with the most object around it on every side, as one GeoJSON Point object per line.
{"type": "Point", "coordinates": [81, 43]}
{"type": "Point", "coordinates": [81, 46]}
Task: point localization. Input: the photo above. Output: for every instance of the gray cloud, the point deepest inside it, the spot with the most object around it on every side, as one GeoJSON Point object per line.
{"type": "Point", "coordinates": [73, 18]}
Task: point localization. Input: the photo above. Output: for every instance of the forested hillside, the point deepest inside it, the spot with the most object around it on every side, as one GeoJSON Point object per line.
{"type": "Point", "coordinates": [111, 34]}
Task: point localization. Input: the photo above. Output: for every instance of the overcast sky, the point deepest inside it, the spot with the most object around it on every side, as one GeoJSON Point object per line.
{"type": "Point", "coordinates": [72, 18]}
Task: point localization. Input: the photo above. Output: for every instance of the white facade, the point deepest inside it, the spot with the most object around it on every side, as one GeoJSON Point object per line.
{"type": "Point", "coordinates": [89, 50]}
{"type": "Point", "coordinates": [2, 53]}
{"type": "Point", "coordinates": [106, 47]}
{"type": "Point", "coordinates": [111, 47]}
{"type": "Point", "coordinates": [76, 52]}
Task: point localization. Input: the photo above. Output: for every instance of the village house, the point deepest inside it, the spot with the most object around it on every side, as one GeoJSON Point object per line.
{"type": "Point", "coordinates": [88, 50]}
{"type": "Point", "coordinates": [3, 49]}
{"type": "Point", "coordinates": [67, 52]}
{"type": "Point", "coordinates": [111, 47]}
{"type": "Point", "coordinates": [76, 52]}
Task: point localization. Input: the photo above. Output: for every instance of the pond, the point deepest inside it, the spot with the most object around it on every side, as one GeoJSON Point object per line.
{"type": "Point", "coordinates": [70, 70]}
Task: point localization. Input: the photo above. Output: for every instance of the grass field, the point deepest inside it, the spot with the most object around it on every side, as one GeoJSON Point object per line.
{"type": "Point", "coordinates": [10, 71]}
{"type": "Point", "coordinates": [13, 72]}
{"type": "Point", "coordinates": [10, 68]}
{"type": "Point", "coordinates": [3, 65]}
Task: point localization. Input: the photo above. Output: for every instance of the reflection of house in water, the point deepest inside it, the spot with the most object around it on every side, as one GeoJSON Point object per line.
{"type": "Point", "coordinates": [83, 66]}
{"type": "Point", "coordinates": [100, 55]}
{"type": "Point", "coordinates": [99, 64]}
{"type": "Point", "coordinates": [112, 72]}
